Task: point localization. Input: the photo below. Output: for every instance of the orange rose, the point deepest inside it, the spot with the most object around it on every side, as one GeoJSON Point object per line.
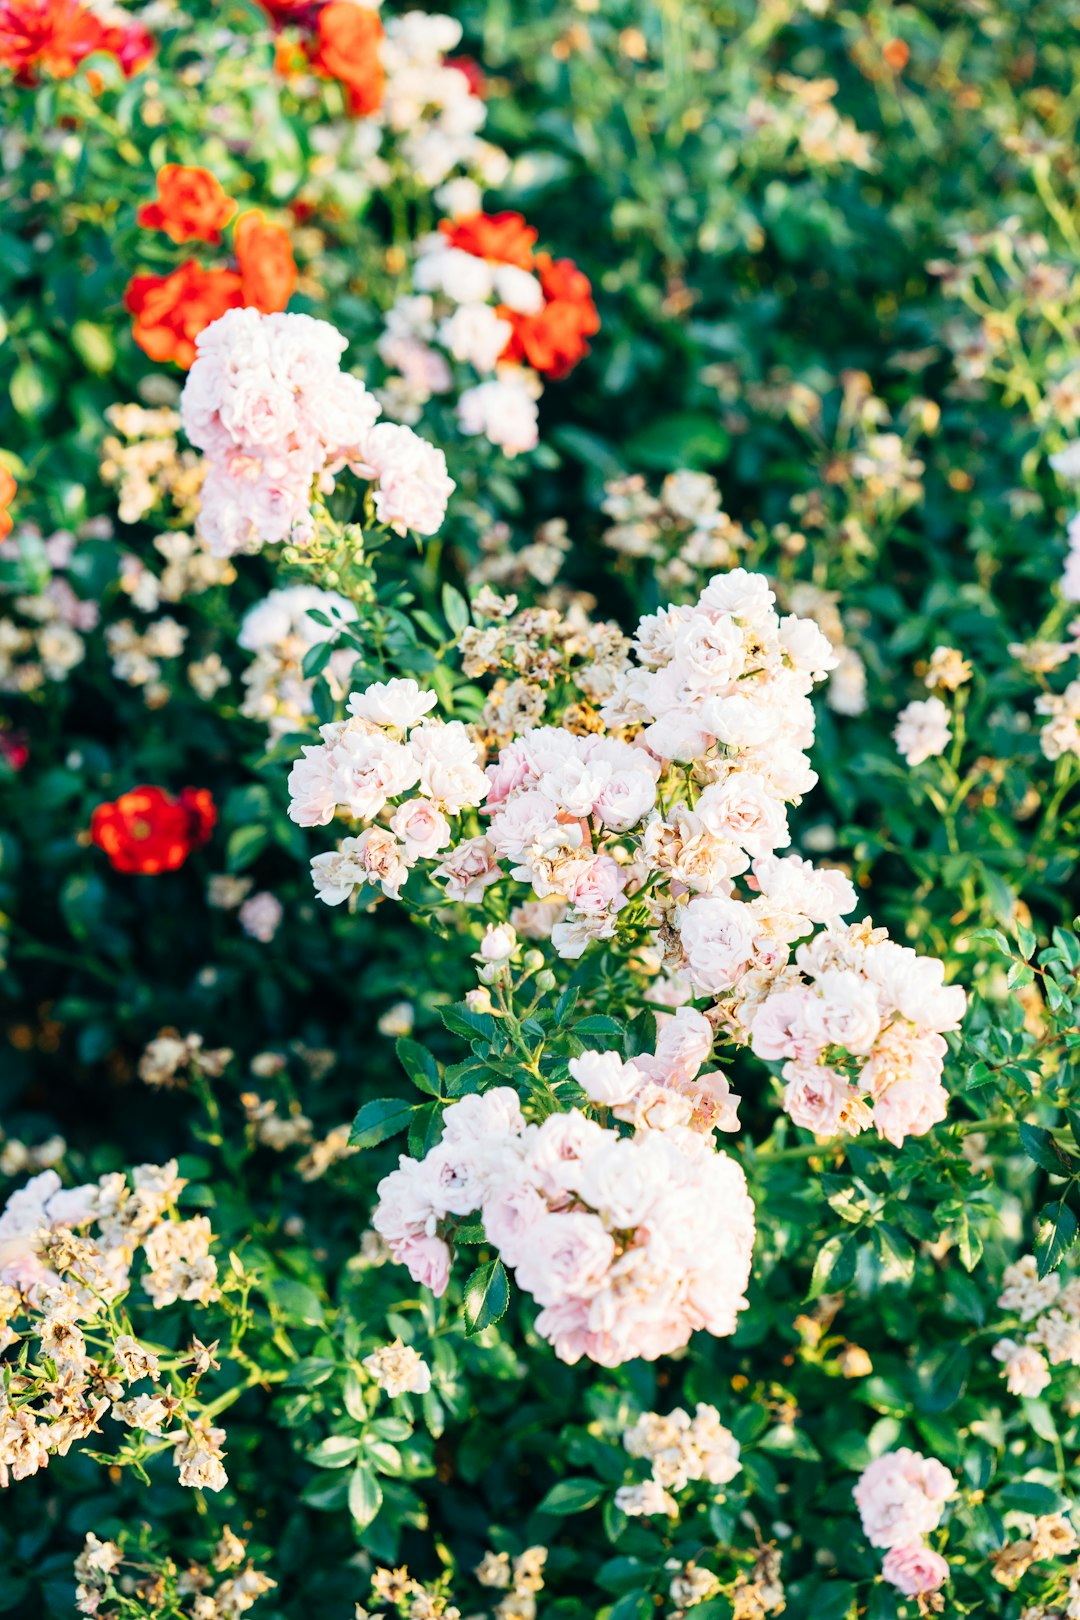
{"type": "Point", "coordinates": [191, 205]}
{"type": "Point", "coordinates": [8, 487]}
{"type": "Point", "coordinates": [171, 311]}
{"type": "Point", "coordinates": [348, 49]}
{"type": "Point", "coordinates": [146, 830]}
{"type": "Point", "coordinates": [553, 340]}
{"type": "Point", "coordinates": [503, 238]}
{"type": "Point", "coordinates": [267, 267]}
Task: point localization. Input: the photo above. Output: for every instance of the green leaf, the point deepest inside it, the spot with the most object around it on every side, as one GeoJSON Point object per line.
{"type": "Point", "coordinates": [487, 1294]}
{"type": "Point", "coordinates": [1028, 1496]}
{"type": "Point", "coordinates": [379, 1120]}
{"type": "Point", "coordinates": [336, 1451]}
{"type": "Point", "coordinates": [571, 1496]}
{"type": "Point", "coordinates": [461, 1020]}
{"type": "Point", "coordinates": [296, 1301]}
{"type": "Point", "coordinates": [365, 1496]}
{"type": "Point", "coordinates": [968, 1241]}
{"type": "Point", "coordinates": [419, 1065]}
{"type": "Point", "coordinates": [834, 1266]}
{"type": "Point", "coordinates": [1039, 1145]}
{"type": "Point", "coordinates": [1055, 1234]}
{"type": "Point", "coordinates": [95, 347]}
{"type": "Point", "coordinates": [455, 609]}
{"type": "Point", "coordinates": [633, 1606]}
{"type": "Point", "coordinates": [245, 843]}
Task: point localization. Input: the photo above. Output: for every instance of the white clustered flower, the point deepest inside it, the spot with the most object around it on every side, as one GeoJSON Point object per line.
{"type": "Point", "coordinates": [682, 1448]}
{"type": "Point", "coordinates": [267, 402]}
{"type": "Point", "coordinates": [628, 1244]}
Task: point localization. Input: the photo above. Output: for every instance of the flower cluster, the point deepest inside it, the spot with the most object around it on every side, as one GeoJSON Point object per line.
{"type": "Point", "coordinates": [170, 311]}
{"type": "Point", "coordinates": [44, 637]}
{"type": "Point", "coordinates": [1050, 1310]}
{"type": "Point", "coordinates": [225, 1587]}
{"type": "Point", "coordinates": [663, 1089]}
{"type": "Point", "coordinates": [683, 530]}
{"type": "Point", "coordinates": [147, 830]}
{"type": "Point", "coordinates": [486, 299]}
{"type": "Point", "coordinates": [50, 39]}
{"type": "Point", "coordinates": [143, 461]}
{"type": "Point", "coordinates": [901, 1497]}
{"type": "Point", "coordinates": [386, 748]}
{"type": "Point", "coordinates": [520, 1579]}
{"type": "Point", "coordinates": [280, 630]}
{"type": "Point", "coordinates": [857, 1022]}
{"type": "Point", "coordinates": [680, 1449]}
{"type": "Point", "coordinates": [628, 1244]}
{"type": "Point", "coordinates": [714, 719]}
{"type": "Point", "coordinates": [268, 403]}
{"type": "Point", "coordinates": [422, 113]}
{"type": "Point", "coordinates": [65, 1267]}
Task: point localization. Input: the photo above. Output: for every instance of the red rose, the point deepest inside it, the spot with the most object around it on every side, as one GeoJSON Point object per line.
{"type": "Point", "coordinates": [267, 267]}
{"type": "Point", "coordinates": [171, 311]}
{"type": "Point", "coordinates": [472, 71]}
{"type": "Point", "coordinates": [554, 339]}
{"type": "Point", "coordinates": [47, 36]}
{"type": "Point", "coordinates": [52, 37]}
{"type": "Point", "coordinates": [132, 45]}
{"type": "Point", "coordinates": [147, 830]}
{"type": "Point", "coordinates": [190, 205]}
{"type": "Point", "coordinates": [502, 238]}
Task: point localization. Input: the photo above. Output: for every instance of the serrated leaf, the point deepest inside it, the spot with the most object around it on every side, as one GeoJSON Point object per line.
{"type": "Point", "coordinates": [487, 1294]}
{"type": "Point", "coordinates": [1040, 1146]}
{"type": "Point", "coordinates": [1055, 1234]}
{"type": "Point", "coordinates": [379, 1120]}
{"type": "Point", "coordinates": [419, 1065]}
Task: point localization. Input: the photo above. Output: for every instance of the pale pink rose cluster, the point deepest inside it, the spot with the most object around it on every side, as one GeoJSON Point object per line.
{"type": "Point", "coordinates": [1052, 1308]}
{"type": "Point", "coordinates": [727, 677]}
{"type": "Point", "coordinates": [576, 818]}
{"type": "Point", "coordinates": [42, 1206]}
{"type": "Point", "coordinates": [554, 799]}
{"type": "Point", "coordinates": [454, 316]}
{"type": "Point", "coordinates": [725, 939]}
{"type": "Point", "coordinates": [858, 1023]}
{"type": "Point", "coordinates": [387, 748]}
{"type": "Point", "coordinates": [664, 1089]}
{"type": "Point", "coordinates": [901, 1497]}
{"type": "Point", "coordinates": [629, 1244]}
{"type": "Point", "coordinates": [276, 417]}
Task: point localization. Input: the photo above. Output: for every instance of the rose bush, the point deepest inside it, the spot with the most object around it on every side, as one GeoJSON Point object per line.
{"type": "Point", "coordinates": [539, 738]}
